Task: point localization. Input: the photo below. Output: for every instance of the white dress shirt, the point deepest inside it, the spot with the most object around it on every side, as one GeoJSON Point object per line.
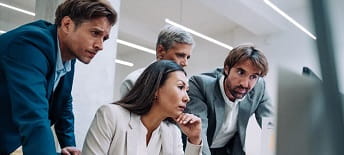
{"type": "Point", "coordinates": [229, 126]}
{"type": "Point", "coordinates": [61, 68]}
{"type": "Point", "coordinates": [154, 144]}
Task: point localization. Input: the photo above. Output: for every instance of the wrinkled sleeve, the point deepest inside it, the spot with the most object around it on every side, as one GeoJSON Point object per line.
{"type": "Point", "coordinates": [64, 127]}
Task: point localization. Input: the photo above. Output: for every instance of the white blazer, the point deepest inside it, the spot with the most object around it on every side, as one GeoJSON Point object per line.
{"type": "Point", "coordinates": [115, 131]}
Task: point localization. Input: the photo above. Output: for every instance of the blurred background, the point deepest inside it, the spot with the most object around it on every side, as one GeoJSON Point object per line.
{"type": "Point", "coordinates": [283, 29]}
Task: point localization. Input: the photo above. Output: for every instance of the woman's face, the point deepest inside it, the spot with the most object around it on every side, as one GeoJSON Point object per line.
{"type": "Point", "coordinates": [172, 95]}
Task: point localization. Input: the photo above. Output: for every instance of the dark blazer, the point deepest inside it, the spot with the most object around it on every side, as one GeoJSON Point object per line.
{"type": "Point", "coordinates": [206, 101]}
{"type": "Point", "coordinates": [28, 105]}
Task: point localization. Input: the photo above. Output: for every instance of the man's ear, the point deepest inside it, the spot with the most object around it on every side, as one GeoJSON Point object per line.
{"type": "Point", "coordinates": [67, 24]}
{"type": "Point", "coordinates": [160, 52]}
{"type": "Point", "coordinates": [226, 70]}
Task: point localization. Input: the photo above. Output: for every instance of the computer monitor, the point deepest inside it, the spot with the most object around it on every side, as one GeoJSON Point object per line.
{"type": "Point", "coordinates": [299, 114]}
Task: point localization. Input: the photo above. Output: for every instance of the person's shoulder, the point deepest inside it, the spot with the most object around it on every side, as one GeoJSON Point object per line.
{"type": "Point", "coordinates": [41, 33]}
{"type": "Point", "coordinates": [135, 74]}
{"type": "Point", "coordinates": [207, 77]}
{"type": "Point", "coordinates": [113, 110]}
{"type": "Point", "coordinates": [113, 116]}
{"type": "Point", "coordinates": [37, 28]}
{"type": "Point", "coordinates": [39, 24]}
{"type": "Point", "coordinates": [113, 107]}
{"type": "Point", "coordinates": [258, 89]}
{"type": "Point", "coordinates": [32, 43]}
{"type": "Point", "coordinates": [260, 84]}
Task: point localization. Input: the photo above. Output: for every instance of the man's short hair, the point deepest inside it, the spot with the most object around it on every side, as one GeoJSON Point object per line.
{"type": "Point", "coordinates": [247, 52]}
{"type": "Point", "coordinates": [83, 10]}
{"type": "Point", "coordinates": [169, 35]}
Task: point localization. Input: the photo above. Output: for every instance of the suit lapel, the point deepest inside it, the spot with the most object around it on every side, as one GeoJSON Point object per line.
{"type": "Point", "coordinates": [134, 134]}
{"type": "Point", "coordinates": [167, 139]}
{"type": "Point", "coordinates": [216, 111]}
{"type": "Point", "coordinates": [243, 117]}
{"type": "Point", "coordinates": [219, 110]}
{"type": "Point", "coordinates": [51, 87]}
{"type": "Point", "coordinates": [51, 80]}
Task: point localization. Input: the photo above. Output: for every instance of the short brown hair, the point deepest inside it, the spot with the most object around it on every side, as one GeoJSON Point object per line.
{"type": "Point", "coordinates": [247, 52]}
{"type": "Point", "coordinates": [82, 10]}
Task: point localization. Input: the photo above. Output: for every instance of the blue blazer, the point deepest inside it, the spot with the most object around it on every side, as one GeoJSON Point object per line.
{"type": "Point", "coordinates": [28, 105]}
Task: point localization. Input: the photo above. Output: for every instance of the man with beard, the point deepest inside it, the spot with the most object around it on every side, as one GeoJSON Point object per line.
{"type": "Point", "coordinates": [226, 98]}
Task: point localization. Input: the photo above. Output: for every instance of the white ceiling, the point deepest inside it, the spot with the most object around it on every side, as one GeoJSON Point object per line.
{"type": "Point", "coordinates": [141, 20]}
{"type": "Point", "coordinates": [10, 18]}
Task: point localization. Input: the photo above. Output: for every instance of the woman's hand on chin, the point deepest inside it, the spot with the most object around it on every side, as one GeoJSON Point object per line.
{"type": "Point", "coordinates": [191, 126]}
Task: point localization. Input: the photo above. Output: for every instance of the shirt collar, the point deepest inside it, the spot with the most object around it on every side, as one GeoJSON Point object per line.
{"type": "Point", "coordinates": [60, 66]}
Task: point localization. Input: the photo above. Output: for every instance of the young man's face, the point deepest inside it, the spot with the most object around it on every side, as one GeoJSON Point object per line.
{"type": "Point", "coordinates": [241, 78]}
{"type": "Point", "coordinates": [179, 53]}
{"type": "Point", "coordinates": [84, 42]}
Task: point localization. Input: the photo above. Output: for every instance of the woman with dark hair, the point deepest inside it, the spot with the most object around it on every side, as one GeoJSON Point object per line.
{"type": "Point", "coordinates": [144, 121]}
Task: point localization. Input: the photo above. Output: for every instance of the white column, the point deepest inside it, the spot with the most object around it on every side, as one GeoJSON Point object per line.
{"type": "Point", "coordinates": [94, 83]}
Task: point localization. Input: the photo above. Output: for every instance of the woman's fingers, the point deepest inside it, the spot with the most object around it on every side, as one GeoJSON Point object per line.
{"type": "Point", "coordinates": [191, 127]}
{"type": "Point", "coordinates": [185, 118]}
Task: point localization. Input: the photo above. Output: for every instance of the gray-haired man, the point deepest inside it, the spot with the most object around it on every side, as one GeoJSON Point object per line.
{"type": "Point", "coordinates": [173, 44]}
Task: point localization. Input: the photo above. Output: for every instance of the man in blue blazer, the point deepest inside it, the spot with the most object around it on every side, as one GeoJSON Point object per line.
{"type": "Point", "coordinates": [226, 98]}
{"type": "Point", "coordinates": [36, 75]}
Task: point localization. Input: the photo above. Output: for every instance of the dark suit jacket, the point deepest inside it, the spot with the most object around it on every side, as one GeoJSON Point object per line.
{"type": "Point", "coordinates": [28, 105]}
{"type": "Point", "coordinates": [207, 102]}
